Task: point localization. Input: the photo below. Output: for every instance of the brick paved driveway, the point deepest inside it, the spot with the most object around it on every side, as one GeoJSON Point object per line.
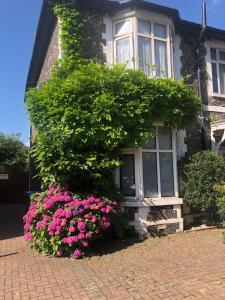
{"type": "Point", "coordinates": [182, 266]}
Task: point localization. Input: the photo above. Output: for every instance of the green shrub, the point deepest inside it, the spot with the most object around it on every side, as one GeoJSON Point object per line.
{"type": "Point", "coordinates": [204, 170]}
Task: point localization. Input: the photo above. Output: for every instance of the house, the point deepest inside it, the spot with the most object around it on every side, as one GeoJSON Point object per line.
{"type": "Point", "coordinates": [142, 34]}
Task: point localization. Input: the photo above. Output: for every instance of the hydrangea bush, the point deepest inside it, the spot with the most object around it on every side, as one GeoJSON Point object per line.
{"type": "Point", "coordinates": [60, 224]}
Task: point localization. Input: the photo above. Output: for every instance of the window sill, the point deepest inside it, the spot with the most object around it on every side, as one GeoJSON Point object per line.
{"type": "Point", "coordinates": [217, 95]}
{"type": "Point", "coordinates": [132, 202]}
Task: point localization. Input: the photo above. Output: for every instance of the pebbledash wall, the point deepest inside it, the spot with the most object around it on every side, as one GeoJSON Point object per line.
{"type": "Point", "coordinates": [189, 59]}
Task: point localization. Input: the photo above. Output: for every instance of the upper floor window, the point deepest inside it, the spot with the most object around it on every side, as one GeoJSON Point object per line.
{"type": "Point", "coordinates": [152, 48]}
{"type": "Point", "coordinates": [218, 70]}
{"type": "Point", "coordinates": [142, 44]}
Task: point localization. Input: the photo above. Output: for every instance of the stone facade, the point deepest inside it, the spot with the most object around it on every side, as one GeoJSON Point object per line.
{"type": "Point", "coordinates": [51, 56]}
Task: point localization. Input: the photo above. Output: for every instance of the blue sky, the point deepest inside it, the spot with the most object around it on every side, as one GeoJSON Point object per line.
{"type": "Point", "coordinates": [18, 23]}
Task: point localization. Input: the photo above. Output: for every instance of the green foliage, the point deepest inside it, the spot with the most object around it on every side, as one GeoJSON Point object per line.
{"type": "Point", "coordinates": [205, 170]}
{"type": "Point", "coordinates": [70, 33]}
{"type": "Point", "coordinates": [88, 111]}
{"type": "Point", "coordinates": [13, 153]}
{"type": "Point", "coordinates": [85, 119]}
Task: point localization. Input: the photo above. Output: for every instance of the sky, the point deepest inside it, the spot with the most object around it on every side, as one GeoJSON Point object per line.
{"type": "Point", "coordinates": [18, 24]}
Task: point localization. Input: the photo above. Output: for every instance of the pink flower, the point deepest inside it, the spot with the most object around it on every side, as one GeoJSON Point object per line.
{"type": "Point", "coordinates": [63, 223]}
{"type": "Point", "coordinates": [59, 253]}
{"type": "Point", "coordinates": [94, 219]}
{"type": "Point", "coordinates": [70, 240]}
{"type": "Point", "coordinates": [81, 226]}
{"type": "Point", "coordinates": [85, 243]}
{"type": "Point", "coordinates": [108, 209]}
{"type": "Point", "coordinates": [71, 229]}
{"type": "Point", "coordinates": [28, 236]}
{"type": "Point", "coordinates": [103, 210]}
{"type": "Point", "coordinates": [77, 253]}
{"type": "Point", "coordinates": [68, 213]}
{"type": "Point", "coordinates": [89, 235]}
{"type": "Point", "coordinates": [81, 236]}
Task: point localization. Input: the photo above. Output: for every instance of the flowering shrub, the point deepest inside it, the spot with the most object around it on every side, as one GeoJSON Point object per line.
{"type": "Point", "coordinates": [61, 224]}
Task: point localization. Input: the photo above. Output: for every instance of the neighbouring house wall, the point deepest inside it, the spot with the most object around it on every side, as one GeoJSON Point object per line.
{"type": "Point", "coordinates": [197, 138]}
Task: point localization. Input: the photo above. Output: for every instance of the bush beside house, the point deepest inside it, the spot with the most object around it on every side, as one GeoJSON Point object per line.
{"type": "Point", "coordinates": [204, 170]}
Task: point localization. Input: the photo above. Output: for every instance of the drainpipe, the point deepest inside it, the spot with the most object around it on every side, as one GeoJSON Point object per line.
{"type": "Point", "coordinates": [201, 41]}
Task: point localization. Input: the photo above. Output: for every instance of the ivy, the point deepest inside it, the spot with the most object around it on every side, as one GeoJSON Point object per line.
{"type": "Point", "coordinates": [71, 24]}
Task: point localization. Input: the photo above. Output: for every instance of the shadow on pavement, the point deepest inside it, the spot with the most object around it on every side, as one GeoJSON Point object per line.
{"type": "Point", "coordinates": [11, 222]}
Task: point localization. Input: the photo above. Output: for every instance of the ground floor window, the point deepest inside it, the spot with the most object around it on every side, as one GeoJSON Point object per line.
{"type": "Point", "coordinates": [151, 171]}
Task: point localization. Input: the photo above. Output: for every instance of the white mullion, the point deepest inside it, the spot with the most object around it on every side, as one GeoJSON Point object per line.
{"type": "Point", "coordinates": [158, 163]}
{"type": "Point", "coordinates": [135, 43]}
{"type": "Point", "coordinates": [169, 53]}
{"type": "Point", "coordinates": [153, 53]}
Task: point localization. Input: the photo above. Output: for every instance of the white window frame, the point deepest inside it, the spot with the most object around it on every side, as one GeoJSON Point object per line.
{"type": "Point", "coordinates": [123, 36]}
{"type": "Point", "coordinates": [219, 46]}
{"type": "Point", "coordinates": [139, 181]}
{"type": "Point", "coordinates": [217, 61]}
{"type": "Point", "coordinates": [134, 40]}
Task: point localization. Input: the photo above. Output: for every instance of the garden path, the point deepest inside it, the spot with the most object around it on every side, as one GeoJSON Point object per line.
{"type": "Point", "coordinates": [181, 266]}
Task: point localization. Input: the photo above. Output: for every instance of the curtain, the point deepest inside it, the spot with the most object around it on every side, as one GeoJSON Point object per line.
{"type": "Point", "coordinates": [144, 50]}
{"type": "Point", "coordinates": [160, 31]}
{"type": "Point", "coordinates": [144, 27]}
{"type": "Point", "coordinates": [160, 58]}
{"type": "Point", "coordinates": [123, 51]}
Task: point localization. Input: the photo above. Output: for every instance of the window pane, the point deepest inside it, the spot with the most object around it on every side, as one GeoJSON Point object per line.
{"type": "Point", "coordinates": [127, 175]}
{"type": "Point", "coordinates": [165, 138]}
{"type": "Point", "coordinates": [166, 173]}
{"type": "Point", "coordinates": [123, 51]}
{"type": "Point", "coordinates": [144, 52]}
{"type": "Point", "coordinates": [151, 144]}
{"type": "Point", "coordinates": [213, 53]}
{"type": "Point", "coordinates": [222, 78]}
{"type": "Point", "coordinates": [122, 27]}
{"type": "Point", "coordinates": [144, 27]}
{"type": "Point", "coordinates": [150, 175]}
{"type": "Point", "coordinates": [160, 59]}
{"type": "Point", "coordinates": [160, 31]}
{"type": "Point", "coordinates": [222, 55]}
{"type": "Point", "coordinates": [214, 78]}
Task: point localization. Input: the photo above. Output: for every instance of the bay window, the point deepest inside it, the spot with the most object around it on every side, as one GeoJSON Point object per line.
{"type": "Point", "coordinates": [152, 48]}
{"type": "Point", "coordinates": [123, 42]}
{"type": "Point", "coordinates": [142, 44]}
{"type": "Point", "coordinates": [218, 70]}
{"type": "Point", "coordinates": [150, 171]}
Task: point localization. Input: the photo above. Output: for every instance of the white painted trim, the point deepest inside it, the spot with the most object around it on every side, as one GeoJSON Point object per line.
{"type": "Point", "coordinates": [153, 202]}
{"type": "Point", "coordinates": [164, 221]}
{"type": "Point", "coordinates": [218, 45]}
{"type": "Point", "coordinates": [220, 109]}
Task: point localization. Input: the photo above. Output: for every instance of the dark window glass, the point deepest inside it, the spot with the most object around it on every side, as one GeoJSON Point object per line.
{"type": "Point", "coordinates": [214, 78]}
{"type": "Point", "coordinates": [166, 174]}
{"type": "Point", "coordinates": [222, 78]}
{"type": "Point", "coordinates": [165, 138]}
{"type": "Point", "coordinates": [127, 175]}
{"type": "Point", "coordinates": [222, 55]}
{"type": "Point", "coordinates": [213, 53]}
{"type": "Point", "coordinates": [150, 175]}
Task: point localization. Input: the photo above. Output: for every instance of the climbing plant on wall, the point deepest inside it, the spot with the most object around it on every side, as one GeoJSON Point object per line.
{"type": "Point", "coordinates": [88, 111]}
